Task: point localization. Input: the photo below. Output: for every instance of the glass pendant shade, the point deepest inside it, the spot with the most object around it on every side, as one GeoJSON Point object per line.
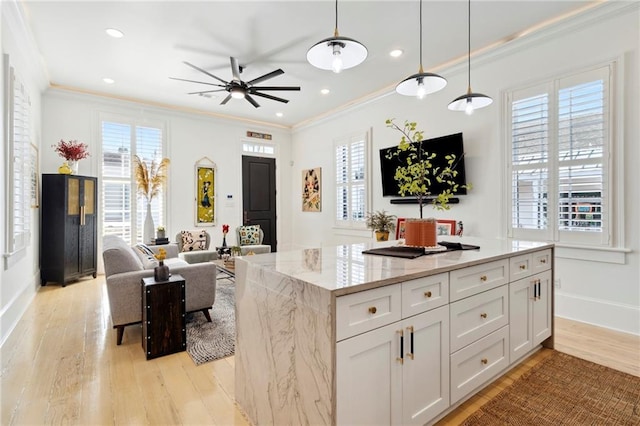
{"type": "Point", "coordinates": [337, 54]}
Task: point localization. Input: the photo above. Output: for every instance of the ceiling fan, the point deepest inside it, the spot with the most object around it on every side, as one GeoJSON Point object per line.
{"type": "Point", "coordinates": [238, 88]}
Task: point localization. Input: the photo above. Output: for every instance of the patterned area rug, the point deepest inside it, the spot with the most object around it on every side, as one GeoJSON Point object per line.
{"type": "Point", "coordinates": [564, 390]}
{"type": "Point", "coordinates": [208, 341]}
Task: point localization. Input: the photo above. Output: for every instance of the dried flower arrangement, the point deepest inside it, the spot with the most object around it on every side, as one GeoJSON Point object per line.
{"type": "Point", "coordinates": [150, 178]}
{"type": "Point", "coordinates": [72, 150]}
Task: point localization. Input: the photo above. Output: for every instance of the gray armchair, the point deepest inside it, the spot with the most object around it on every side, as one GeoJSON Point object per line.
{"type": "Point", "coordinates": [125, 267]}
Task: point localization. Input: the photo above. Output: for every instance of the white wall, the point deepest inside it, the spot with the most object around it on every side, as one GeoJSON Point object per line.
{"type": "Point", "coordinates": [190, 137]}
{"type": "Point", "coordinates": [606, 294]}
{"type": "Point", "coordinates": [20, 273]}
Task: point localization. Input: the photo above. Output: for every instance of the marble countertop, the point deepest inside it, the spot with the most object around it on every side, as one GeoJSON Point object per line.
{"type": "Point", "coordinates": [345, 269]}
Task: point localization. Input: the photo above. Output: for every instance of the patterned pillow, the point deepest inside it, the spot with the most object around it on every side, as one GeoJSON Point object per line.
{"type": "Point", "coordinates": [249, 235]}
{"type": "Point", "coordinates": [194, 240]}
{"type": "Point", "coordinates": [146, 255]}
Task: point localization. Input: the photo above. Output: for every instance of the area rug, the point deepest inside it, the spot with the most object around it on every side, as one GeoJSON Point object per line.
{"type": "Point", "coordinates": [564, 390]}
{"type": "Point", "coordinates": [208, 341]}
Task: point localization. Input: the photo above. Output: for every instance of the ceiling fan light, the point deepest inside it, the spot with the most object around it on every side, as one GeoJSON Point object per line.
{"type": "Point", "coordinates": [470, 101]}
{"type": "Point", "coordinates": [350, 52]}
{"type": "Point", "coordinates": [237, 92]}
{"type": "Point", "coordinates": [423, 83]}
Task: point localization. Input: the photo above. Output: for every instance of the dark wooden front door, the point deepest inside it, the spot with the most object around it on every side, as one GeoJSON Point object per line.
{"type": "Point", "coordinates": [259, 196]}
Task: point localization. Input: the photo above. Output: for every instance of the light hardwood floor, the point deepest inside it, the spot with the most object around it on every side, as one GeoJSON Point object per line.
{"type": "Point", "coordinates": [61, 365]}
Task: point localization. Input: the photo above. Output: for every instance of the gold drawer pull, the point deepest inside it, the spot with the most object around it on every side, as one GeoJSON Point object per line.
{"type": "Point", "coordinates": [484, 361]}
{"type": "Point", "coordinates": [483, 278]}
{"type": "Point", "coordinates": [427, 294]}
{"type": "Point", "coordinates": [483, 315]}
{"type": "Point", "coordinates": [373, 310]}
{"type": "Point", "coordinates": [523, 267]}
{"type": "Point", "coordinates": [543, 260]}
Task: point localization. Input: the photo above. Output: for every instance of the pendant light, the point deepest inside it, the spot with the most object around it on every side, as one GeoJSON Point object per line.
{"type": "Point", "coordinates": [337, 53]}
{"type": "Point", "coordinates": [470, 101]}
{"type": "Point", "coordinates": [422, 83]}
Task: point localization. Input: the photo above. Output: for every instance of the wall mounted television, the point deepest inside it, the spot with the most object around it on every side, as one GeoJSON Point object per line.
{"type": "Point", "coordinates": [441, 146]}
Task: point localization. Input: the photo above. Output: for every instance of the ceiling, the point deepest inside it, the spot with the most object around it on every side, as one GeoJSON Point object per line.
{"type": "Point", "coordinates": [263, 36]}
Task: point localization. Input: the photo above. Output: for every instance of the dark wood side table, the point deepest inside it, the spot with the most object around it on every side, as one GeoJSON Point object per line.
{"type": "Point", "coordinates": [164, 328]}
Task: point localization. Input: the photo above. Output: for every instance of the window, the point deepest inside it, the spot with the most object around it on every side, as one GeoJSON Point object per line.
{"type": "Point", "coordinates": [18, 119]}
{"type": "Point", "coordinates": [123, 211]}
{"type": "Point", "coordinates": [559, 159]}
{"type": "Point", "coordinates": [352, 187]}
{"type": "Point", "coordinates": [256, 148]}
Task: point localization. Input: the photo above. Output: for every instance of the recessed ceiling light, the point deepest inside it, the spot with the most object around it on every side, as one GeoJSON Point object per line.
{"type": "Point", "coordinates": [396, 53]}
{"type": "Point", "coordinates": [108, 80]}
{"type": "Point", "coordinates": [114, 33]}
{"type": "Point", "coordinates": [279, 114]}
{"type": "Point", "coordinates": [325, 91]}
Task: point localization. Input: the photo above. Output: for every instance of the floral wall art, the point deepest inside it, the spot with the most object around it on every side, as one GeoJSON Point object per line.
{"type": "Point", "coordinates": [311, 190]}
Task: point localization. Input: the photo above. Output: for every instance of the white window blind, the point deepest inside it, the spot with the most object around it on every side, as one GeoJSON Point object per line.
{"type": "Point", "coordinates": [559, 145]}
{"type": "Point", "coordinates": [351, 160]}
{"type": "Point", "coordinates": [123, 211]}
{"type": "Point", "coordinates": [18, 161]}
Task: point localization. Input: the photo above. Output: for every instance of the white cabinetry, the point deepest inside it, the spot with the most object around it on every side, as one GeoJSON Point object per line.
{"type": "Point", "coordinates": [398, 373]}
{"type": "Point", "coordinates": [530, 313]}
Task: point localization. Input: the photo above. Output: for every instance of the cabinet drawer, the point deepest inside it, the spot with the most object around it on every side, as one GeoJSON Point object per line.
{"type": "Point", "coordinates": [424, 294]}
{"type": "Point", "coordinates": [520, 267]}
{"type": "Point", "coordinates": [479, 362]}
{"type": "Point", "coordinates": [541, 261]}
{"type": "Point", "coordinates": [477, 316]}
{"type": "Point", "coordinates": [360, 312]}
{"type": "Point", "coordinates": [475, 279]}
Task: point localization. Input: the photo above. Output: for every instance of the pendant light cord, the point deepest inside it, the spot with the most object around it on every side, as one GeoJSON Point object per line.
{"type": "Point", "coordinates": [421, 36]}
{"type": "Point", "coordinates": [336, 31]}
{"type": "Point", "coordinates": [469, 54]}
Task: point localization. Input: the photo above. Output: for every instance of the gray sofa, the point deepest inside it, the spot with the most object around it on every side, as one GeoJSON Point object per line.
{"type": "Point", "coordinates": [125, 267]}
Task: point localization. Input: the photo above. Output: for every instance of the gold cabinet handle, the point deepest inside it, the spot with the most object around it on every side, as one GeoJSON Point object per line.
{"type": "Point", "coordinates": [483, 278]}
{"type": "Point", "coordinates": [484, 361]}
{"type": "Point", "coordinates": [400, 359]}
{"type": "Point", "coordinates": [523, 267]}
{"type": "Point", "coordinates": [373, 310]}
{"type": "Point", "coordinates": [410, 331]}
{"type": "Point", "coordinates": [483, 315]}
{"type": "Point", "coordinates": [427, 294]}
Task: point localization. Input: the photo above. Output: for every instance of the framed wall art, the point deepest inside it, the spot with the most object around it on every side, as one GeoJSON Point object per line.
{"type": "Point", "coordinates": [400, 227]}
{"type": "Point", "coordinates": [206, 175]}
{"type": "Point", "coordinates": [312, 190]}
{"type": "Point", "coordinates": [446, 227]}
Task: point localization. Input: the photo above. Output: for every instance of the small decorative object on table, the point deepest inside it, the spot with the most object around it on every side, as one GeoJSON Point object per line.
{"type": "Point", "coordinates": [225, 231]}
{"type": "Point", "coordinates": [161, 272]}
{"type": "Point", "coordinates": [160, 233]}
{"type": "Point", "coordinates": [382, 223]}
{"type": "Point", "coordinates": [72, 151]}
{"type": "Point", "coordinates": [150, 179]}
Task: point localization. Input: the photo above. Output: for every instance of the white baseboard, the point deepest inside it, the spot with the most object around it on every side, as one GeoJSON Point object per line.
{"type": "Point", "coordinates": [602, 313]}
{"type": "Point", "coordinates": [15, 309]}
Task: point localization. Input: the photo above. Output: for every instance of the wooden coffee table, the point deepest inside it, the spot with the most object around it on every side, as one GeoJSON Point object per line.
{"type": "Point", "coordinates": [229, 273]}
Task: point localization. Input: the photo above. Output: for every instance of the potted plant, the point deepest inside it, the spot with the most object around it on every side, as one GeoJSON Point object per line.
{"type": "Point", "coordinates": [149, 179]}
{"type": "Point", "coordinates": [382, 223]}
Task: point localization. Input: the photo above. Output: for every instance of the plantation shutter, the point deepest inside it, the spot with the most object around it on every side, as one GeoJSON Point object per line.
{"type": "Point", "coordinates": [119, 198]}
{"type": "Point", "coordinates": [351, 181]}
{"type": "Point", "coordinates": [559, 160]}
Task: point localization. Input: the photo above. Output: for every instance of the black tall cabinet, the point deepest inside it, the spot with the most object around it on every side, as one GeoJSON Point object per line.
{"type": "Point", "coordinates": [68, 228]}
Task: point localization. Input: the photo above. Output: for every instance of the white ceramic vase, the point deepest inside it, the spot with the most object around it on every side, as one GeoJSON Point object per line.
{"type": "Point", "coordinates": [149, 227]}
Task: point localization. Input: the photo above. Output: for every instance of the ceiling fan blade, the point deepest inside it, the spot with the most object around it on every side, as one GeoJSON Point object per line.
{"type": "Point", "coordinates": [195, 81]}
{"type": "Point", "coordinates": [273, 98]}
{"type": "Point", "coordinates": [226, 99]}
{"type": "Point", "coordinates": [265, 77]}
{"type": "Point", "coordinates": [275, 87]}
{"type": "Point", "coordinates": [251, 100]}
{"type": "Point", "coordinates": [235, 69]}
{"type": "Point", "coordinates": [206, 91]}
{"type": "Point", "coordinates": [204, 71]}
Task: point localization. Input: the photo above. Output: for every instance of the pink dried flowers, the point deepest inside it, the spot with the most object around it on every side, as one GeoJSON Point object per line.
{"type": "Point", "coordinates": [72, 150]}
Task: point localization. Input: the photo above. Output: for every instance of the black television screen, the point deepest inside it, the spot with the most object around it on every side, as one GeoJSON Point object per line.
{"type": "Point", "coordinates": [441, 146]}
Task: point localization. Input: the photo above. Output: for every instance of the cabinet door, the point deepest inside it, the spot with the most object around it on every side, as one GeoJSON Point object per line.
{"type": "Point", "coordinates": [369, 378]}
{"type": "Point", "coordinates": [425, 375]}
{"type": "Point", "coordinates": [541, 315]}
{"type": "Point", "coordinates": [520, 305]}
{"type": "Point", "coordinates": [72, 228]}
{"type": "Point", "coordinates": [88, 227]}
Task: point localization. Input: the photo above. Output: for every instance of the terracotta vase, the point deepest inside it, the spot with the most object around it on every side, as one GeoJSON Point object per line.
{"type": "Point", "coordinates": [421, 232]}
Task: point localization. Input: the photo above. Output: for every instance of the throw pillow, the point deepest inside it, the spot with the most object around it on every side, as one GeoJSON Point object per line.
{"type": "Point", "coordinates": [249, 235]}
{"type": "Point", "coordinates": [194, 240]}
{"type": "Point", "coordinates": [146, 255]}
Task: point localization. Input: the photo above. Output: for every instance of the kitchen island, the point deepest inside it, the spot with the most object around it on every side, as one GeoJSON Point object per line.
{"type": "Point", "coordinates": [333, 336]}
